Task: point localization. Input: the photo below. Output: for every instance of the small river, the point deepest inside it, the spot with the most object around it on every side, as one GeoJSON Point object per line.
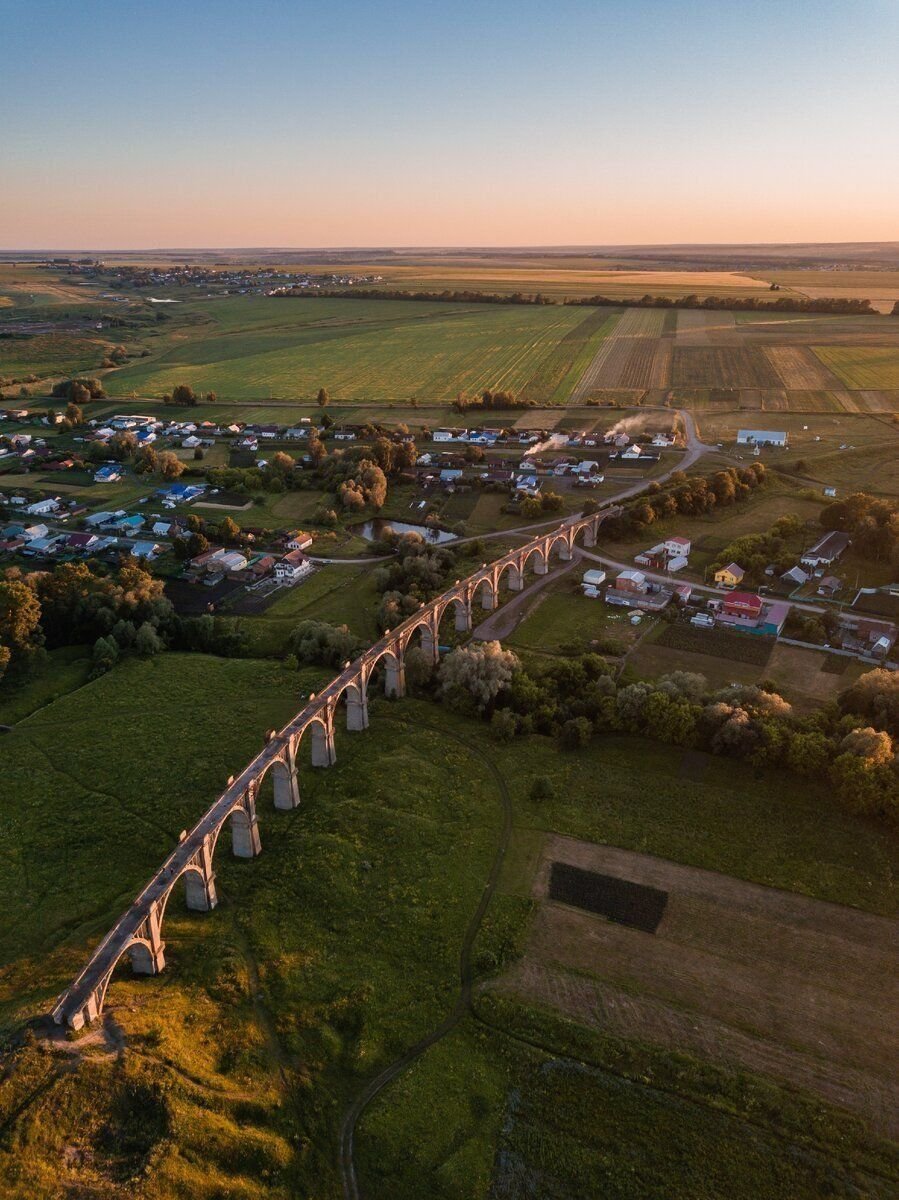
{"type": "Point", "coordinates": [374, 530]}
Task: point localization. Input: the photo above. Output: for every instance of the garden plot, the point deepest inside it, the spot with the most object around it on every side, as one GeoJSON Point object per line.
{"type": "Point", "coordinates": [611, 362]}
{"type": "Point", "coordinates": [767, 980]}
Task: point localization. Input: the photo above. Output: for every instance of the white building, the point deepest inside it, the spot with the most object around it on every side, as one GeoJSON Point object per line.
{"type": "Point", "coordinates": [292, 566]}
{"type": "Point", "coordinates": [761, 437]}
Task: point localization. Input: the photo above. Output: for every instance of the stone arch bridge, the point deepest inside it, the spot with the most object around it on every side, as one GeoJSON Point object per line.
{"type": "Point", "coordinates": [138, 932]}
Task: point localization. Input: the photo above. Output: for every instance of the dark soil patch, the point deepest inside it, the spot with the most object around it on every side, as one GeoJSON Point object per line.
{"type": "Point", "coordinates": [719, 643]}
{"type": "Point", "coordinates": [631, 904]}
{"type": "Point", "coordinates": [193, 598]}
{"type": "Point", "coordinates": [835, 664]}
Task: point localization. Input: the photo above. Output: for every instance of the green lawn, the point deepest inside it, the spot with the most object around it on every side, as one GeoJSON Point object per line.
{"type": "Point", "coordinates": [862, 366]}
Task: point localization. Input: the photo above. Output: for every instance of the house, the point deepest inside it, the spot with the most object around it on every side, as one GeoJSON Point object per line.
{"type": "Point", "coordinates": [730, 576]}
{"type": "Point", "coordinates": [633, 451]}
{"type": "Point", "coordinates": [207, 561]}
{"type": "Point", "coordinates": [191, 442]}
{"type": "Point", "coordinates": [865, 635]}
{"type": "Point", "coordinates": [231, 561]}
{"type": "Point", "coordinates": [181, 493]}
{"type": "Point", "coordinates": [99, 518]}
{"type": "Point", "coordinates": [262, 566]}
{"type": "Point", "coordinates": [292, 567]}
{"type": "Point", "coordinates": [83, 543]}
{"type": "Point", "coordinates": [593, 578]}
{"type": "Point", "coordinates": [830, 492]}
{"type": "Point", "coordinates": [146, 551]}
{"type": "Point", "coordinates": [299, 541]}
{"type": "Point", "coordinates": [829, 586]}
{"type": "Point", "coordinates": [826, 550]}
{"type": "Point", "coordinates": [41, 508]}
{"type": "Point", "coordinates": [761, 437]}
{"type": "Point", "coordinates": [443, 435]}
{"type": "Point", "coordinates": [450, 475]}
{"type": "Point", "coordinates": [108, 473]}
{"type": "Point", "coordinates": [677, 547]}
{"type": "Point", "coordinates": [165, 529]}
{"type": "Point", "coordinates": [43, 545]}
{"type": "Point", "coordinates": [663, 439]}
{"type": "Point", "coordinates": [127, 525]}
{"type": "Point", "coordinates": [683, 592]}
{"type": "Point", "coordinates": [31, 532]}
{"type": "Point", "coordinates": [294, 433]}
{"type": "Point", "coordinates": [344, 435]}
{"type": "Point", "coordinates": [677, 563]}
{"type": "Point", "coordinates": [745, 606]}
{"type": "Point", "coordinates": [796, 576]}
{"type": "Point", "coordinates": [527, 485]}
{"type": "Point", "coordinates": [145, 437]}
{"type": "Point", "coordinates": [631, 581]}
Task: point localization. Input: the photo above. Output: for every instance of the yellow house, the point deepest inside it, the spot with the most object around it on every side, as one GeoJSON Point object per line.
{"type": "Point", "coordinates": [730, 576]}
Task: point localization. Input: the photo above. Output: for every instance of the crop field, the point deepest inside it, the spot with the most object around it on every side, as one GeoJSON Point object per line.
{"type": "Point", "coordinates": [50, 354]}
{"type": "Point", "coordinates": [799, 369]}
{"type": "Point", "coordinates": [863, 366]}
{"type": "Point", "coordinates": [722, 367]}
{"type": "Point", "coordinates": [560, 371]}
{"type": "Point", "coordinates": [360, 349]}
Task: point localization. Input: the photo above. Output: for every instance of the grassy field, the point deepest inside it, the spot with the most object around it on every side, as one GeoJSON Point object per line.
{"type": "Point", "coordinates": [338, 947]}
{"type": "Point", "coordinates": [862, 366]}
{"type": "Point", "coordinates": [358, 349]}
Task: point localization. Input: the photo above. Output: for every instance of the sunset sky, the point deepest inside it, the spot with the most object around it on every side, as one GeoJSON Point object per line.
{"type": "Point", "coordinates": [208, 123]}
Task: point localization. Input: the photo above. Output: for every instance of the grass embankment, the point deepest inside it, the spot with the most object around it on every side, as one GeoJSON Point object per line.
{"type": "Point", "coordinates": [338, 948]}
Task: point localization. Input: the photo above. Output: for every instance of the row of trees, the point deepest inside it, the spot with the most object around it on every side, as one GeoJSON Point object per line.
{"type": "Point", "coordinates": [822, 304]}
{"type": "Point", "coordinates": [755, 551]}
{"type": "Point", "coordinates": [849, 742]}
{"type": "Point", "coordinates": [691, 495]}
{"type": "Point", "coordinates": [82, 602]}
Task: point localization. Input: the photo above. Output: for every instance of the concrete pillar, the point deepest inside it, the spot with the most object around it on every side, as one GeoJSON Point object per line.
{"type": "Point", "coordinates": [199, 884]}
{"type": "Point", "coordinates": [564, 552]}
{"type": "Point", "coordinates": [396, 678]}
{"type": "Point", "coordinates": [245, 831]}
{"type": "Point", "coordinates": [514, 580]}
{"type": "Point", "coordinates": [285, 785]}
{"type": "Point", "coordinates": [148, 957]}
{"type": "Point", "coordinates": [590, 535]}
{"type": "Point", "coordinates": [488, 595]}
{"type": "Point", "coordinates": [356, 709]}
{"type": "Point", "coordinates": [199, 889]}
{"type": "Point", "coordinates": [540, 564]}
{"type": "Point", "coordinates": [323, 752]}
{"type": "Point", "coordinates": [463, 617]}
{"type": "Point", "coordinates": [429, 646]}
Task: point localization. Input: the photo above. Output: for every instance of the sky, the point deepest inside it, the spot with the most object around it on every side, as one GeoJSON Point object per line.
{"type": "Point", "coordinates": [218, 123]}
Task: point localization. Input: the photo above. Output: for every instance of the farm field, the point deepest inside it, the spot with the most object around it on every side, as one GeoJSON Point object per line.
{"type": "Point", "coordinates": [864, 366]}
{"type": "Point", "coordinates": [277, 1007]}
{"type": "Point", "coordinates": [358, 349]}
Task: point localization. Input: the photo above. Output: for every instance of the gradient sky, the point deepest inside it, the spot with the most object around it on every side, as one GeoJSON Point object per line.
{"type": "Point", "coordinates": [499, 122]}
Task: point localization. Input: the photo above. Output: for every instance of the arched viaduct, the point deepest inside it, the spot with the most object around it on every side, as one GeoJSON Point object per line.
{"type": "Point", "coordinates": [138, 932]}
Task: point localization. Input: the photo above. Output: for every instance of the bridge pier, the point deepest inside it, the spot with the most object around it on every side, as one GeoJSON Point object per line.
{"type": "Point", "coordinates": [541, 567]}
{"type": "Point", "coordinates": [286, 787]}
{"type": "Point", "coordinates": [514, 580]}
{"type": "Point", "coordinates": [148, 955]}
{"type": "Point", "coordinates": [429, 647]}
{"type": "Point", "coordinates": [357, 710]}
{"type": "Point", "coordinates": [463, 618]}
{"type": "Point", "coordinates": [396, 678]}
{"type": "Point", "coordinates": [488, 596]}
{"type": "Point", "coordinates": [199, 882]}
{"type": "Point", "coordinates": [323, 751]}
{"type": "Point", "coordinates": [245, 830]}
{"type": "Point", "coordinates": [565, 552]}
{"type": "Point", "coordinates": [590, 536]}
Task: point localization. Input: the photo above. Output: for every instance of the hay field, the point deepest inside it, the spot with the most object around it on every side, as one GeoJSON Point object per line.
{"type": "Point", "coordinates": [880, 287]}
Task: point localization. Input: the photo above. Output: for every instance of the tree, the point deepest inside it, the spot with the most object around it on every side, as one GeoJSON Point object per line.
{"type": "Point", "coordinates": [197, 544]}
{"type": "Point", "coordinates": [147, 642]}
{"type": "Point", "coordinates": [322, 643]}
{"type": "Point", "coordinates": [317, 449]}
{"type": "Point", "coordinates": [504, 725]}
{"type": "Point", "coordinates": [419, 669]}
{"type": "Point", "coordinates": [541, 790]}
{"type": "Point", "coordinates": [74, 413]}
{"type": "Point", "coordinates": [323, 398]}
{"type": "Point", "coordinates": [185, 395]}
{"type": "Point", "coordinates": [282, 463]}
{"type": "Point", "coordinates": [199, 454]}
{"type": "Point", "coordinates": [875, 746]}
{"type": "Point", "coordinates": [20, 616]}
{"type": "Point", "coordinates": [575, 733]}
{"type": "Point", "coordinates": [105, 655]}
{"type": "Point", "coordinates": [229, 531]}
{"type": "Point", "coordinates": [480, 671]}
{"type": "Point", "coordinates": [327, 421]}
{"type": "Point", "coordinates": [169, 465]}
{"type": "Point", "coordinates": [875, 696]}
{"type": "Point", "coordinates": [147, 461]}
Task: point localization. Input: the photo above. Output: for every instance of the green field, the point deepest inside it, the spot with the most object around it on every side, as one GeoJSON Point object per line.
{"type": "Point", "coordinates": [862, 366]}
{"type": "Point", "coordinates": [262, 347]}
{"type": "Point", "coordinates": [338, 947]}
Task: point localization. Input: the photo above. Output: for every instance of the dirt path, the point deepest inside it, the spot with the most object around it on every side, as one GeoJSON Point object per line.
{"type": "Point", "coordinates": [501, 623]}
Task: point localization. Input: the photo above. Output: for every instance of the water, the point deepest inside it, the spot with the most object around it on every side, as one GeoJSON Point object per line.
{"type": "Point", "coordinates": [374, 530]}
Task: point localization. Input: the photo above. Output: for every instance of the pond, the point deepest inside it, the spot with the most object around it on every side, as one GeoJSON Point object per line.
{"type": "Point", "coordinates": [375, 529]}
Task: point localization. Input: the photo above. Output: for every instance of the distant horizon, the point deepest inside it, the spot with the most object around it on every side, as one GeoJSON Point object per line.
{"type": "Point", "coordinates": [448, 247]}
